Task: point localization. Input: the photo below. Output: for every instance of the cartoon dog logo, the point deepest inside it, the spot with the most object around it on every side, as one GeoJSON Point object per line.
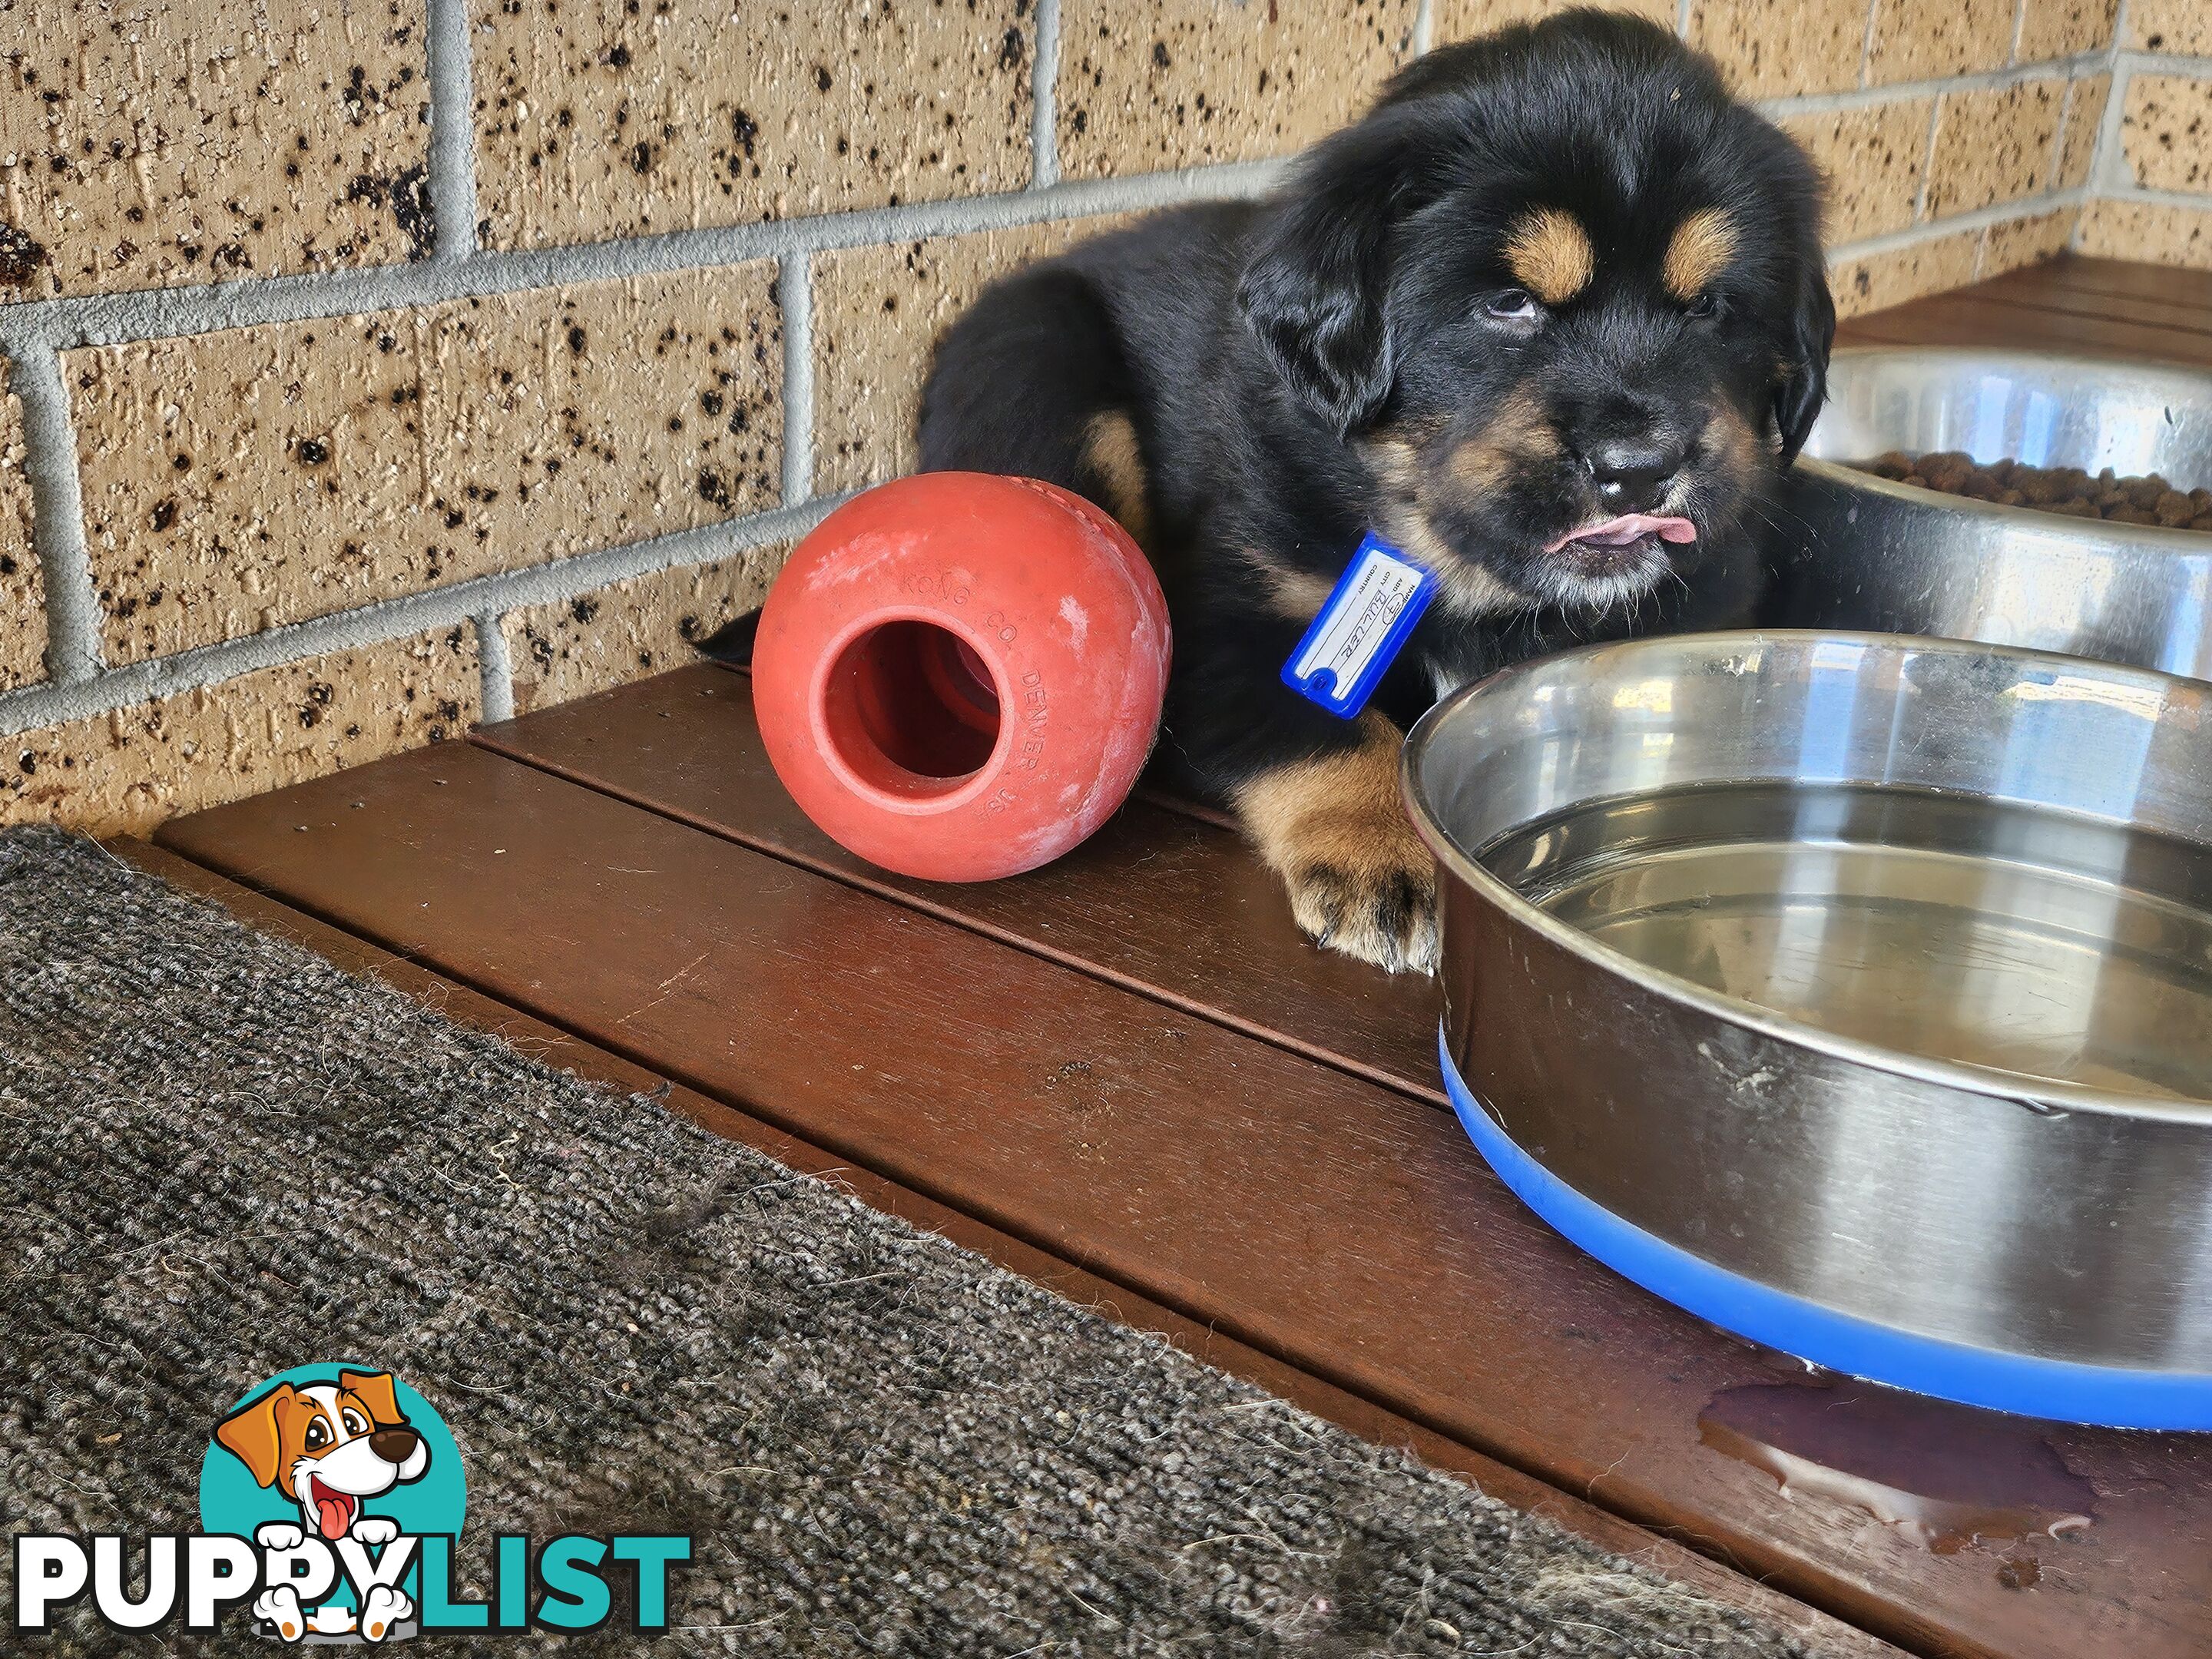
{"type": "Point", "coordinates": [329, 1446]}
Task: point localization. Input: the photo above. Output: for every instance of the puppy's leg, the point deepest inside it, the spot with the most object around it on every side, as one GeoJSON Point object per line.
{"type": "Point", "coordinates": [1031, 381]}
{"type": "Point", "coordinates": [280, 1608]}
{"type": "Point", "coordinates": [382, 1609]}
{"type": "Point", "coordinates": [1333, 826]}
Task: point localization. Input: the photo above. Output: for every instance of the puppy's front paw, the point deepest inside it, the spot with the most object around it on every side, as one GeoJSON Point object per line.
{"type": "Point", "coordinates": [375, 1529]}
{"type": "Point", "coordinates": [1384, 912]}
{"type": "Point", "coordinates": [278, 1535]}
{"type": "Point", "coordinates": [382, 1609]}
{"type": "Point", "coordinates": [280, 1608]}
{"type": "Point", "coordinates": [1332, 827]}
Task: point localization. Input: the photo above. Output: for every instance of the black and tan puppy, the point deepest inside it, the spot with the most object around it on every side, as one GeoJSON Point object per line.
{"type": "Point", "coordinates": [1550, 318]}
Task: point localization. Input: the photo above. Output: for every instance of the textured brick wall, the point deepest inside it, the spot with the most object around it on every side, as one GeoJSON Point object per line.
{"type": "Point", "coordinates": [2154, 180]}
{"type": "Point", "coordinates": [376, 368]}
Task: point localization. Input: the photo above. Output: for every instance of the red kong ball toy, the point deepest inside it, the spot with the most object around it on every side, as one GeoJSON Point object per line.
{"type": "Point", "coordinates": [958, 676]}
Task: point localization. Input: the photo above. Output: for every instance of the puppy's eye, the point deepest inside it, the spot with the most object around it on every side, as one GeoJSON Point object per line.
{"type": "Point", "coordinates": [1512, 305]}
{"type": "Point", "coordinates": [354, 1421]}
{"type": "Point", "coordinates": [1704, 305]}
{"type": "Point", "coordinates": [318, 1436]}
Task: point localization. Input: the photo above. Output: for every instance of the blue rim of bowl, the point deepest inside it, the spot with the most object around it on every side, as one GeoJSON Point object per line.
{"type": "Point", "coordinates": [2062, 1391]}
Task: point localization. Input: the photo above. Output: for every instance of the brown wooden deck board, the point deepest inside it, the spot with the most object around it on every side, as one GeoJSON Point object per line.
{"type": "Point", "coordinates": [2099, 307]}
{"type": "Point", "coordinates": [1342, 1228]}
{"type": "Point", "coordinates": [2024, 290]}
{"type": "Point", "coordinates": [1971, 318]}
{"type": "Point", "coordinates": [2118, 278]}
{"type": "Point", "coordinates": [1156, 900]}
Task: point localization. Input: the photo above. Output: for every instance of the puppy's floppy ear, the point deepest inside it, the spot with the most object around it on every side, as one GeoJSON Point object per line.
{"type": "Point", "coordinates": [373, 1389]}
{"type": "Point", "coordinates": [1804, 384]}
{"type": "Point", "coordinates": [249, 1433]}
{"type": "Point", "coordinates": [1314, 284]}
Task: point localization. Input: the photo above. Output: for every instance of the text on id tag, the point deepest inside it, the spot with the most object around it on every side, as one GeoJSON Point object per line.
{"type": "Point", "coordinates": [1361, 628]}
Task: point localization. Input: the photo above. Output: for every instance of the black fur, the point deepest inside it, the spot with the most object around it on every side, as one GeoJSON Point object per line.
{"type": "Point", "coordinates": [1299, 369]}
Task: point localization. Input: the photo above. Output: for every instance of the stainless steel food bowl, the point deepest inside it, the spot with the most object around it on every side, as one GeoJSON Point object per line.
{"type": "Point", "coordinates": [1853, 991]}
{"type": "Point", "coordinates": [1852, 550]}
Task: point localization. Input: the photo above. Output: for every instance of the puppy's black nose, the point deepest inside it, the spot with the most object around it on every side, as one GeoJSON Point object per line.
{"type": "Point", "coordinates": [1631, 474]}
{"type": "Point", "coordinates": [394, 1445]}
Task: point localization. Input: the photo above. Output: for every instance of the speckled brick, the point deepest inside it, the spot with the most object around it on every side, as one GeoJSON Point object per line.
{"type": "Point", "coordinates": [2085, 121]}
{"type": "Point", "coordinates": [2027, 242]}
{"type": "Point", "coordinates": [2165, 132]}
{"type": "Point", "coordinates": [1996, 144]}
{"type": "Point", "coordinates": [1917, 40]}
{"type": "Point", "coordinates": [2145, 230]}
{"type": "Point", "coordinates": [2060, 28]}
{"type": "Point", "coordinates": [1149, 84]}
{"type": "Point", "coordinates": [2175, 25]}
{"type": "Point", "coordinates": [1872, 157]}
{"type": "Point", "coordinates": [237, 480]}
{"type": "Point", "coordinates": [1881, 280]}
{"type": "Point", "coordinates": [184, 141]}
{"type": "Point", "coordinates": [1782, 48]}
{"type": "Point", "coordinates": [624, 631]}
{"type": "Point", "coordinates": [599, 119]}
{"type": "Point", "coordinates": [123, 772]}
{"type": "Point", "coordinates": [22, 609]}
{"type": "Point", "coordinates": [877, 312]}
{"type": "Point", "coordinates": [1461, 19]}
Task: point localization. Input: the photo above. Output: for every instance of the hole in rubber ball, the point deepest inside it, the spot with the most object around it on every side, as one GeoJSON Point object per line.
{"type": "Point", "coordinates": [911, 708]}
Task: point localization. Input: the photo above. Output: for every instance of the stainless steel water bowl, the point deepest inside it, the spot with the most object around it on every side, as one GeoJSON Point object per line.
{"type": "Point", "coordinates": [1852, 550]}
{"type": "Point", "coordinates": [1874, 971]}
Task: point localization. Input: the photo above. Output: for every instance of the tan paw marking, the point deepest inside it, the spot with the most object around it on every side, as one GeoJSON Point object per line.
{"type": "Point", "coordinates": [1334, 829]}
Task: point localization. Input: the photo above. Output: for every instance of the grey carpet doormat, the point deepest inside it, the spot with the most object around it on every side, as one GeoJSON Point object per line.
{"type": "Point", "coordinates": [220, 1158]}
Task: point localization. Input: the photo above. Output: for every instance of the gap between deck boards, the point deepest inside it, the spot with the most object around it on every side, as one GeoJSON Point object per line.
{"type": "Point", "coordinates": [1416, 1080]}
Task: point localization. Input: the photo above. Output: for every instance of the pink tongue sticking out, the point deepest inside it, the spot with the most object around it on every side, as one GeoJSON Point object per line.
{"type": "Point", "coordinates": [331, 1511]}
{"type": "Point", "coordinates": [1618, 532]}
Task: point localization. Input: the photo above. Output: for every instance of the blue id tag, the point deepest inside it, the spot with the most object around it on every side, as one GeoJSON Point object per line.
{"type": "Point", "coordinates": [1360, 630]}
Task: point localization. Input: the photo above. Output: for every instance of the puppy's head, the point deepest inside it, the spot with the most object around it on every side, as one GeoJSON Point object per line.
{"type": "Point", "coordinates": [1565, 298]}
{"type": "Point", "coordinates": [327, 1445]}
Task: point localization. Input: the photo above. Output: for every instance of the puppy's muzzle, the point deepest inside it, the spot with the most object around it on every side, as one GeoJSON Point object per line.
{"type": "Point", "coordinates": [394, 1445]}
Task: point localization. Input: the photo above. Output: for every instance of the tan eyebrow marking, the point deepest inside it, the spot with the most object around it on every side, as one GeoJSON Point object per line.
{"type": "Point", "coordinates": [1699, 251]}
{"type": "Point", "coordinates": [1549, 253]}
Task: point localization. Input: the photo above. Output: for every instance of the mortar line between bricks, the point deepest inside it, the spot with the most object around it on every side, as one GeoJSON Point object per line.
{"type": "Point", "coordinates": [38, 706]}
{"type": "Point", "coordinates": [1821, 103]}
{"type": "Point", "coordinates": [159, 313]}
{"type": "Point", "coordinates": [1044, 99]}
{"type": "Point", "coordinates": [155, 314]}
{"type": "Point", "coordinates": [1936, 111]}
{"type": "Point", "coordinates": [2164, 61]}
{"type": "Point", "coordinates": [452, 131]}
{"type": "Point", "coordinates": [496, 666]}
{"type": "Point", "coordinates": [795, 296]}
{"type": "Point", "coordinates": [74, 655]}
{"type": "Point", "coordinates": [2028, 207]}
{"type": "Point", "coordinates": [2144, 193]}
{"type": "Point", "coordinates": [2054, 173]}
{"type": "Point", "coordinates": [1425, 27]}
{"type": "Point", "coordinates": [2108, 165]}
{"type": "Point", "coordinates": [91, 692]}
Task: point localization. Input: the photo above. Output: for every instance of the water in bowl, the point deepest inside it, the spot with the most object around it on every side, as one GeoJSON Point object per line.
{"type": "Point", "coordinates": [1950, 927]}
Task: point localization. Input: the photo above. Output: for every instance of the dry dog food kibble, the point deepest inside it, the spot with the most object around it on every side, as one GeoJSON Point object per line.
{"type": "Point", "coordinates": [2066, 489]}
